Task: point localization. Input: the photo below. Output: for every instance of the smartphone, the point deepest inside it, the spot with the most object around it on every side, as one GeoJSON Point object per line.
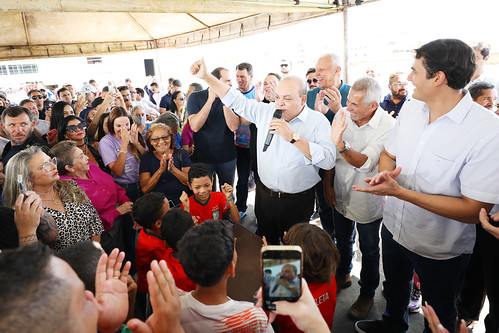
{"type": "Point", "coordinates": [52, 134]}
{"type": "Point", "coordinates": [21, 185]}
{"type": "Point", "coordinates": [281, 274]}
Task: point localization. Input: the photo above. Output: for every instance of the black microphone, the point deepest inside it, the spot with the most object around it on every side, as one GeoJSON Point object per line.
{"type": "Point", "coordinates": [268, 140]}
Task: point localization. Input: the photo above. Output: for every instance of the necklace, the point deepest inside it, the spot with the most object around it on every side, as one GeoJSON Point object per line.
{"type": "Point", "coordinates": [52, 199]}
{"type": "Point", "coordinates": [86, 148]}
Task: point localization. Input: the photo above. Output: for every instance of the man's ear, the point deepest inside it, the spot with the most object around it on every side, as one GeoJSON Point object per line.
{"type": "Point", "coordinates": [69, 168]}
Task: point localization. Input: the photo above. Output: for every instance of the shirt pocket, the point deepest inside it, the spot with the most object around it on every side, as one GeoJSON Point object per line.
{"type": "Point", "coordinates": [437, 171]}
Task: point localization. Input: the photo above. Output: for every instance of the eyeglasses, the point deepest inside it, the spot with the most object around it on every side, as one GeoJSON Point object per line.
{"type": "Point", "coordinates": [44, 96]}
{"type": "Point", "coordinates": [164, 138]}
{"type": "Point", "coordinates": [310, 81]}
{"type": "Point", "coordinates": [182, 98]}
{"type": "Point", "coordinates": [284, 65]}
{"type": "Point", "coordinates": [76, 128]}
{"type": "Point", "coordinates": [400, 84]}
{"type": "Point", "coordinates": [36, 97]}
{"type": "Point", "coordinates": [49, 165]}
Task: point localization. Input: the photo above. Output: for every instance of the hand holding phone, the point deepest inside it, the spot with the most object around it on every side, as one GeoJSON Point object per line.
{"type": "Point", "coordinates": [51, 134]}
{"type": "Point", "coordinates": [281, 274]}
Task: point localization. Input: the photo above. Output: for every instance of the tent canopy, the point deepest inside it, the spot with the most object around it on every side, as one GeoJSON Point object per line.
{"type": "Point", "coordinates": [61, 28]}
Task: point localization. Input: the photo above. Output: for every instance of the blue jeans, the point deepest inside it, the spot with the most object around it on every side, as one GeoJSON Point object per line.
{"type": "Point", "coordinates": [440, 281]}
{"type": "Point", "coordinates": [225, 172]}
{"type": "Point", "coordinates": [243, 172]}
{"type": "Point", "coordinates": [369, 246]}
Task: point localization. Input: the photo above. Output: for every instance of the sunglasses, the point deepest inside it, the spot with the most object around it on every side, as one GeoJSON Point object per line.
{"type": "Point", "coordinates": [310, 81]}
{"type": "Point", "coordinates": [76, 128]}
{"type": "Point", "coordinates": [164, 138]}
{"type": "Point", "coordinates": [284, 65]}
{"type": "Point", "coordinates": [44, 96]}
{"type": "Point", "coordinates": [36, 97]}
{"type": "Point", "coordinates": [182, 98]}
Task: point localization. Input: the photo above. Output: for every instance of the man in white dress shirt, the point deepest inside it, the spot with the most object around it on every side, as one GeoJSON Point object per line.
{"type": "Point", "coordinates": [438, 169]}
{"type": "Point", "coordinates": [359, 132]}
{"type": "Point", "coordinates": [289, 168]}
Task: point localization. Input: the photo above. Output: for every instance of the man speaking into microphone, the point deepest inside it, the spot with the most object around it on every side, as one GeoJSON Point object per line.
{"type": "Point", "coordinates": [289, 167]}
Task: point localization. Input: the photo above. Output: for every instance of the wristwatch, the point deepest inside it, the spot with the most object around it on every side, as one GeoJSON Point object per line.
{"type": "Point", "coordinates": [347, 147]}
{"type": "Point", "coordinates": [295, 137]}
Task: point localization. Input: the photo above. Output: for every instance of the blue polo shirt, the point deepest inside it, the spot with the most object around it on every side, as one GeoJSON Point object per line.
{"type": "Point", "coordinates": [312, 94]}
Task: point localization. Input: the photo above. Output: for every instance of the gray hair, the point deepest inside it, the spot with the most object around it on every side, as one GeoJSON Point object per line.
{"type": "Point", "coordinates": [335, 59]}
{"type": "Point", "coordinates": [371, 87]}
{"type": "Point", "coordinates": [18, 165]}
{"type": "Point", "coordinates": [169, 119]}
{"type": "Point", "coordinates": [62, 151]}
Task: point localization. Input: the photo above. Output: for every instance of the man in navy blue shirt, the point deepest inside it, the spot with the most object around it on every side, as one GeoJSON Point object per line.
{"type": "Point", "coordinates": [392, 103]}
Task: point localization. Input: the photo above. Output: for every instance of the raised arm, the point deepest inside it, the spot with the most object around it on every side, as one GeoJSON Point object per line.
{"type": "Point", "coordinates": [199, 69]}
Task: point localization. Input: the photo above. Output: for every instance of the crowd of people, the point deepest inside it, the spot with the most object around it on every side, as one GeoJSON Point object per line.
{"type": "Point", "coordinates": [135, 189]}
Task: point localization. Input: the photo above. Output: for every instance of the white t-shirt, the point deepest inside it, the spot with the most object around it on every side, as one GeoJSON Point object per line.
{"type": "Point", "coordinates": [231, 316]}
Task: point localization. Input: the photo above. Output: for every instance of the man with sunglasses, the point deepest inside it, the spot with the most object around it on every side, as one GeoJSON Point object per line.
{"type": "Point", "coordinates": [311, 79]}
{"type": "Point", "coordinates": [37, 97]}
{"type": "Point", "coordinates": [18, 123]}
{"type": "Point", "coordinates": [392, 103]}
{"type": "Point", "coordinates": [285, 67]}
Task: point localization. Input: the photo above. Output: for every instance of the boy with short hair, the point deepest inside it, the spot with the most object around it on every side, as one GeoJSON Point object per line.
{"type": "Point", "coordinates": [208, 255]}
{"type": "Point", "coordinates": [174, 225]}
{"type": "Point", "coordinates": [205, 204]}
{"type": "Point", "coordinates": [148, 211]}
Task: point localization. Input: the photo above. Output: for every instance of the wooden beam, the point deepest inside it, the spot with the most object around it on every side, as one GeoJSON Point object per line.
{"type": "Point", "coordinates": [170, 6]}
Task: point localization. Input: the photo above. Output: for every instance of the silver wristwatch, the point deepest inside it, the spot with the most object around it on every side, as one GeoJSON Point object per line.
{"type": "Point", "coordinates": [347, 147]}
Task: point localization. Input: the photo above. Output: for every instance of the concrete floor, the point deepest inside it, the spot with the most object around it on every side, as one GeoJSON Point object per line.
{"type": "Point", "coordinates": [346, 297]}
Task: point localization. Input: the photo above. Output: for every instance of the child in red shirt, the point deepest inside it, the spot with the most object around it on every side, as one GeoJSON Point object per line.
{"type": "Point", "coordinates": [174, 225]}
{"type": "Point", "coordinates": [205, 204]}
{"type": "Point", "coordinates": [148, 211]}
{"type": "Point", "coordinates": [320, 259]}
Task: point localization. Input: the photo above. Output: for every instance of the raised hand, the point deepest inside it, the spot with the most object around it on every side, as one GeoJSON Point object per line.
{"type": "Point", "coordinates": [111, 291]}
{"type": "Point", "coordinates": [227, 191]}
{"type": "Point", "coordinates": [338, 127]}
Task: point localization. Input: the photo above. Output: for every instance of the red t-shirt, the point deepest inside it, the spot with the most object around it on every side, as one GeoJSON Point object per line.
{"type": "Point", "coordinates": [175, 267]}
{"type": "Point", "coordinates": [213, 209]}
{"type": "Point", "coordinates": [325, 298]}
{"type": "Point", "coordinates": [149, 247]}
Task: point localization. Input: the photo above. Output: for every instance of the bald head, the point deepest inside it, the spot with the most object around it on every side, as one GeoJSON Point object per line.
{"type": "Point", "coordinates": [300, 84]}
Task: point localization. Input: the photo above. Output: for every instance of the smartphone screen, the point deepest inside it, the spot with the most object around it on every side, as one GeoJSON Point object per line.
{"type": "Point", "coordinates": [281, 274]}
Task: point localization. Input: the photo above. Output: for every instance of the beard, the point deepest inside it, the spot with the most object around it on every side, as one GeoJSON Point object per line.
{"type": "Point", "coordinates": [401, 94]}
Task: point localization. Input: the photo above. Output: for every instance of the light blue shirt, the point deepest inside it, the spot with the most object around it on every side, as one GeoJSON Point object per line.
{"type": "Point", "coordinates": [283, 167]}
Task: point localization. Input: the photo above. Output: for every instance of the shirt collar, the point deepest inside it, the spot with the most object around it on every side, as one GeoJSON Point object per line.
{"type": "Point", "coordinates": [303, 115]}
{"type": "Point", "coordinates": [459, 112]}
{"type": "Point", "coordinates": [376, 119]}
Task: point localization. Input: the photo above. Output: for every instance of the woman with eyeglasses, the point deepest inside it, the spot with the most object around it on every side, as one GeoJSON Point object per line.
{"type": "Point", "coordinates": [178, 106]}
{"type": "Point", "coordinates": [73, 128]}
{"type": "Point", "coordinates": [76, 218]}
{"type": "Point", "coordinates": [164, 168]}
{"type": "Point", "coordinates": [108, 198]}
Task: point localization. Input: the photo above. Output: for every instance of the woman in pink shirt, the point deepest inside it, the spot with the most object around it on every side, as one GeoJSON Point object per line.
{"type": "Point", "coordinates": [108, 198]}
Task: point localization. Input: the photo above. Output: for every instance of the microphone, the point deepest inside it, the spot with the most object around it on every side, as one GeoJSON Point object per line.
{"type": "Point", "coordinates": [268, 140]}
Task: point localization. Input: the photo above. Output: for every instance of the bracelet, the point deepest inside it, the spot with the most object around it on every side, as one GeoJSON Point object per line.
{"type": "Point", "coordinates": [121, 151]}
{"type": "Point", "coordinates": [231, 199]}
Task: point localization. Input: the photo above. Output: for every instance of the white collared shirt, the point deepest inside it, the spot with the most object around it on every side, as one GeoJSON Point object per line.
{"type": "Point", "coordinates": [456, 155]}
{"type": "Point", "coordinates": [368, 139]}
{"type": "Point", "coordinates": [283, 167]}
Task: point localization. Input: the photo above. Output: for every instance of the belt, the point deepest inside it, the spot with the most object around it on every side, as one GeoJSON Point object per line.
{"type": "Point", "coordinates": [282, 195]}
